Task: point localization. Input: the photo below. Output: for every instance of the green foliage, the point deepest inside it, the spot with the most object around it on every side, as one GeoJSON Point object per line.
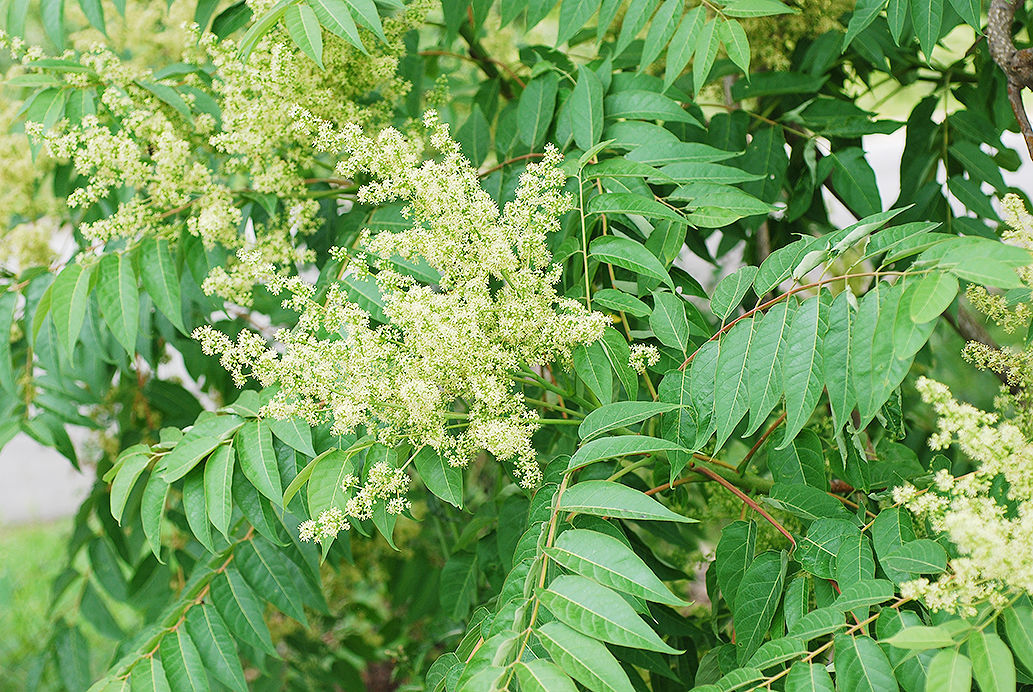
{"type": "Point", "coordinates": [243, 326]}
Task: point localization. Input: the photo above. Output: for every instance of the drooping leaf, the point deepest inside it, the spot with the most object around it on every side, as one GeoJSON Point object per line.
{"type": "Point", "coordinates": [216, 646]}
{"type": "Point", "coordinates": [218, 487]}
{"type": "Point", "coordinates": [69, 297]}
{"type": "Point", "coordinates": [182, 661]}
{"type": "Point", "coordinates": [732, 385]}
{"type": "Point", "coordinates": [241, 609]}
{"type": "Point", "coordinates": [535, 109]}
{"type": "Point", "coordinates": [586, 108]}
{"type": "Point", "coordinates": [756, 601]}
{"type": "Point", "coordinates": [734, 554]}
{"type": "Point", "coordinates": [440, 477]}
{"type": "Point", "coordinates": [161, 280]}
{"type": "Point", "coordinates": [119, 299]}
{"type": "Point", "coordinates": [254, 447]}
{"type": "Point", "coordinates": [803, 370]}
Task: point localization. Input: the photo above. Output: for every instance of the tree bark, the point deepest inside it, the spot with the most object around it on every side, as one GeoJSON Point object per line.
{"type": "Point", "coordinates": [1017, 64]}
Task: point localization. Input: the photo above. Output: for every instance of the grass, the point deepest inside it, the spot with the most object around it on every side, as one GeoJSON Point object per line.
{"type": "Point", "coordinates": [30, 557]}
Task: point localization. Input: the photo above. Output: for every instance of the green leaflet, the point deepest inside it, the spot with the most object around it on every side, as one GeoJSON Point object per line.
{"type": "Point", "coordinates": [921, 637]}
{"type": "Point", "coordinates": [628, 254]}
{"type": "Point", "coordinates": [215, 645]}
{"type": "Point", "coordinates": [149, 676]}
{"type": "Point", "coordinates": [583, 658]}
{"type": "Point", "coordinates": [802, 461]}
{"type": "Point", "coordinates": [805, 502]}
{"type": "Point", "coordinates": [540, 675]}
{"type": "Point", "coordinates": [923, 556]}
{"type": "Point", "coordinates": [803, 370]}
{"type": "Point", "coordinates": [950, 671]}
{"type": "Point", "coordinates": [668, 320]}
{"type": "Point", "coordinates": [324, 487]}
{"type": "Point", "coordinates": [129, 465]}
{"type": "Point", "coordinates": [218, 488]}
{"type": "Point", "coordinates": [334, 16]}
{"type": "Point", "coordinates": [610, 499]}
{"type": "Point", "coordinates": [270, 573]}
{"type": "Point", "coordinates": [756, 601]}
{"type": "Point", "coordinates": [765, 359]}
{"type": "Point", "coordinates": [927, 17]}
{"type": "Point", "coordinates": [208, 433]}
{"type": "Point", "coordinates": [864, 594]}
{"type": "Point", "coordinates": [600, 613]}
{"type": "Point", "coordinates": [808, 677]}
{"type": "Point", "coordinates": [293, 432]}
{"type": "Point", "coordinates": [610, 562]}
{"type": "Point", "coordinates": [731, 385]}
{"type": "Point", "coordinates": [440, 477]}
{"type": "Point", "coordinates": [160, 279]}
{"type": "Point", "coordinates": [817, 623]}
{"type": "Point", "coordinates": [730, 290]}
{"type": "Point", "coordinates": [69, 296]}
{"type": "Point", "coordinates": [586, 108]}
{"type": "Point", "coordinates": [683, 44]}
{"type": "Point", "coordinates": [645, 105]}
{"type": "Point", "coordinates": [610, 447]}
{"type": "Point", "coordinates": [861, 665]}
{"type": "Point", "coordinates": [241, 609]}
{"type": "Point", "coordinates": [630, 203]}
{"type": "Point", "coordinates": [776, 651]}
{"type": "Point", "coordinates": [620, 414]}
{"type": "Point", "coordinates": [620, 302]}
{"type": "Point", "coordinates": [882, 347]}
{"type": "Point", "coordinates": [703, 384]}
{"type": "Point", "coordinates": [737, 46]}
{"type": "Point", "coordinates": [459, 580]}
{"type": "Point", "coordinates": [932, 294]}
{"type": "Point", "coordinates": [182, 661]}
{"type": "Point", "coordinates": [574, 14]}
{"type": "Point", "coordinates": [705, 52]}
{"type": "Point", "coordinates": [734, 554]}
{"type": "Point", "coordinates": [817, 550]}
{"type": "Point", "coordinates": [194, 508]}
{"type": "Point", "coordinates": [1018, 626]}
{"type": "Point", "coordinates": [836, 349]}
{"type": "Point", "coordinates": [119, 299]}
{"type": "Point", "coordinates": [855, 561]}
{"type": "Point", "coordinates": [152, 510]}
{"type": "Point", "coordinates": [535, 109]}
{"type": "Point", "coordinates": [254, 446]}
{"type": "Point", "coordinates": [593, 367]}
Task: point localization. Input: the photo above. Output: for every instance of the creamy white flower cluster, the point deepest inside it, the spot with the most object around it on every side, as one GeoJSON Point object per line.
{"type": "Point", "coordinates": [178, 167]}
{"type": "Point", "coordinates": [996, 542]}
{"type": "Point", "coordinates": [437, 373]}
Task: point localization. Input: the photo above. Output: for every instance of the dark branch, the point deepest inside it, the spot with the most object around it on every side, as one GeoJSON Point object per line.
{"type": "Point", "coordinates": [1017, 64]}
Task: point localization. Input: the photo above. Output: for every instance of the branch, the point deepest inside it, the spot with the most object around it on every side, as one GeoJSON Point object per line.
{"type": "Point", "coordinates": [1016, 64]}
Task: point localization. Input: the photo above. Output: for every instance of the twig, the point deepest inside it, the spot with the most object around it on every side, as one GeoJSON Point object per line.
{"type": "Point", "coordinates": [516, 159]}
{"type": "Point", "coordinates": [756, 445]}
